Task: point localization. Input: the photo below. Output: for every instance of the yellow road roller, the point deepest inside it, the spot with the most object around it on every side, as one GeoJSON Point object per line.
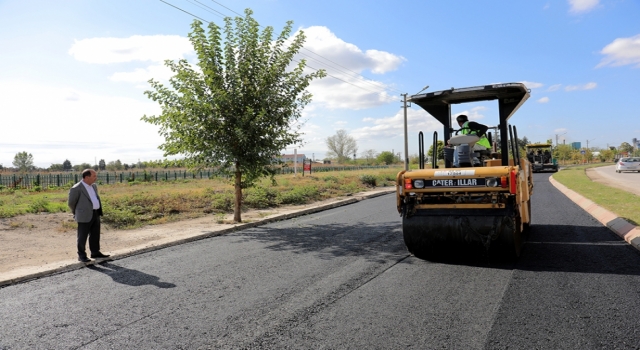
{"type": "Point", "coordinates": [480, 201]}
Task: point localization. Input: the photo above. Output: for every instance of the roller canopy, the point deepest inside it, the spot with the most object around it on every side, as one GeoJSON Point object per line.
{"type": "Point", "coordinates": [510, 97]}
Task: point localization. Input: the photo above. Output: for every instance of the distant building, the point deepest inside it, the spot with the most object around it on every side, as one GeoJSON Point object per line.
{"type": "Point", "coordinates": [289, 158]}
{"type": "Point", "coordinates": [576, 145]}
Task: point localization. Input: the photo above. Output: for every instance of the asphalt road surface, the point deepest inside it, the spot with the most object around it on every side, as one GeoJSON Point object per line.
{"type": "Point", "coordinates": [342, 279]}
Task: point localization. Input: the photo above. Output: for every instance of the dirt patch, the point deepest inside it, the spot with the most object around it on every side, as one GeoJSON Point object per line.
{"type": "Point", "coordinates": [37, 242]}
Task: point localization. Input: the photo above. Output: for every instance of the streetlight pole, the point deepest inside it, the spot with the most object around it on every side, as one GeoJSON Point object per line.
{"type": "Point", "coordinates": [557, 137]}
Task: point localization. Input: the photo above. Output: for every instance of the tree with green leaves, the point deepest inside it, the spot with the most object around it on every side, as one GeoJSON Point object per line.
{"type": "Point", "coordinates": [626, 147]}
{"type": "Point", "coordinates": [56, 167]}
{"type": "Point", "coordinates": [66, 165]}
{"type": "Point", "coordinates": [341, 146]}
{"type": "Point", "coordinates": [82, 166]}
{"type": "Point", "coordinates": [23, 161]}
{"type": "Point", "coordinates": [440, 153]}
{"type": "Point", "coordinates": [369, 155]}
{"type": "Point", "coordinates": [386, 157]}
{"type": "Point", "coordinates": [238, 110]}
{"type": "Point", "coordinates": [102, 165]}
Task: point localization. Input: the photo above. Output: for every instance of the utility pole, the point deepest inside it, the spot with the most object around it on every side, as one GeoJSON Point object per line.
{"type": "Point", "coordinates": [406, 137]}
{"type": "Point", "coordinates": [557, 138]}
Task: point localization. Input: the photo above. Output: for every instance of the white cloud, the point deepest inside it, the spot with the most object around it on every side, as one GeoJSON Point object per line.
{"type": "Point", "coordinates": [581, 6]}
{"type": "Point", "coordinates": [67, 123]}
{"type": "Point", "coordinates": [321, 41]}
{"type": "Point", "coordinates": [543, 100]}
{"type": "Point", "coordinates": [150, 48]}
{"type": "Point", "coordinates": [335, 94]}
{"type": "Point", "coordinates": [157, 72]}
{"type": "Point", "coordinates": [532, 85]}
{"type": "Point", "coordinates": [417, 120]}
{"type": "Point", "coordinates": [393, 127]}
{"type": "Point", "coordinates": [344, 62]}
{"type": "Point", "coordinates": [622, 51]}
{"type": "Point", "coordinates": [587, 86]}
{"type": "Point", "coordinates": [554, 87]}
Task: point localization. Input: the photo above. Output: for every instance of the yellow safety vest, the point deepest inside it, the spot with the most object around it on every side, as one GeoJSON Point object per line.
{"type": "Point", "coordinates": [483, 140]}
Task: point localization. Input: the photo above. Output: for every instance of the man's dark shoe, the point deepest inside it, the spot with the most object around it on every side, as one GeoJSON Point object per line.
{"type": "Point", "coordinates": [99, 255]}
{"type": "Point", "coordinates": [84, 259]}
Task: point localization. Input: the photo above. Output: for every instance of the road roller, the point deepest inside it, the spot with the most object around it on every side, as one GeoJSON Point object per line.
{"type": "Point", "coordinates": [480, 201]}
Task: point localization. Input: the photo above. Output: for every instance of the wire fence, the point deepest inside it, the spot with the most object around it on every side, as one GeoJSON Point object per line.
{"type": "Point", "coordinates": [51, 180]}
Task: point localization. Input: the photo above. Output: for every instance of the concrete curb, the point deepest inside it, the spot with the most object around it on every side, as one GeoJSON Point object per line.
{"type": "Point", "coordinates": [78, 265]}
{"type": "Point", "coordinates": [621, 227]}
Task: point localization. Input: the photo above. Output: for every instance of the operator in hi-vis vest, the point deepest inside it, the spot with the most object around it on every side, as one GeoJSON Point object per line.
{"type": "Point", "coordinates": [472, 128]}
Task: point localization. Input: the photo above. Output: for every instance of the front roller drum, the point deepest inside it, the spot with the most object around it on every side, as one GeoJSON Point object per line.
{"type": "Point", "coordinates": [446, 236]}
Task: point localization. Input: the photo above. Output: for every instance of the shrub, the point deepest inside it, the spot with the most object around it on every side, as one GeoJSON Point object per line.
{"type": "Point", "coordinates": [260, 197]}
{"type": "Point", "coordinates": [118, 218]}
{"type": "Point", "coordinates": [368, 180]}
{"type": "Point", "coordinates": [223, 201]}
{"type": "Point", "coordinates": [299, 195]}
{"type": "Point", "coordinates": [38, 206]}
{"type": "Point", "coordinates": [330, 178]}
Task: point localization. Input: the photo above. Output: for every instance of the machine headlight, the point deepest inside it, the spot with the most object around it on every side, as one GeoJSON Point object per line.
{"type": "Point", "coordinates": [418, 183]}
{"type": "Point", "coordinates": [492, 182]}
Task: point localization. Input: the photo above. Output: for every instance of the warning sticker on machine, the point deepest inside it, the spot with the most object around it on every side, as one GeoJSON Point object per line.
{"type": "Point", "coordinates": [455, 172]}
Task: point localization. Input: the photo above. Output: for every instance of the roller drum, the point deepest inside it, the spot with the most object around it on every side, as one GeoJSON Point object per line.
{"type": "Point", "coordinates": [431, 236]}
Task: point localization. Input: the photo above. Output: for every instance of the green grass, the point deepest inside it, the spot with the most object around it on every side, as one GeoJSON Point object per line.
{"type": "Point", "coordinates": [14, 203]}
{"type": "Point", "coordinates": [620, 202]}
{"type": "Point", "coordinates": [135, 204]}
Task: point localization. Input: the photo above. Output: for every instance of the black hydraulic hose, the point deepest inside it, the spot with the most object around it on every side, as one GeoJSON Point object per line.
{"type": "Point", "coordinates": [512, 144]}
{"type": "Point", "coordinates": [434, 158]}
{"type": "Point", "coordinates": [515, 134]}
{"type": "Point", "coordinates": [421, 149]}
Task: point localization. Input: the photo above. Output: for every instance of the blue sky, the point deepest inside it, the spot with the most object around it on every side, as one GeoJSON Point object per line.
{"type": "Point", "coordinates": [73, 73]}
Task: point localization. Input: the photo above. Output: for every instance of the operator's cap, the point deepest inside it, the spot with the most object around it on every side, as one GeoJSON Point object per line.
{"type": "Point", "coordinates": [462, 118]}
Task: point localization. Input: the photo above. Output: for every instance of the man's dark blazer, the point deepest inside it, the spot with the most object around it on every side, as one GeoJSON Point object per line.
{"type": "Point", "coordinates": [80, 202]}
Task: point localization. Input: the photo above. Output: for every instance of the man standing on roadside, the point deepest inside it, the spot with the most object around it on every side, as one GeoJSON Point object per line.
{"type": "Point", "coordinates": [86, 207]}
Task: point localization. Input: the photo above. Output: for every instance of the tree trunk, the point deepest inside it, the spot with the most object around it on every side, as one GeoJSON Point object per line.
{"type": "Point", "coordinates": [238, 188]}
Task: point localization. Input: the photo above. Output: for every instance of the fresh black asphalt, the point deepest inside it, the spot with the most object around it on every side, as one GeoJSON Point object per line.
{"type": "Point", "coordinates": [342, 279]}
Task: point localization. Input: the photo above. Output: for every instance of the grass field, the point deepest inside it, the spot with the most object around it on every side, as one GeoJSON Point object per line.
{"type": "Point", "coordinates": [134, 204]}
{"type": "Point", "coordinates": [623, 203]}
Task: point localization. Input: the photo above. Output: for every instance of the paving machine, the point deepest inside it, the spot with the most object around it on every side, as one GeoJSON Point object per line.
{"type": "Point", "coordinates": [484, 204]}
{"type": "Point", "coordinates": [540, 155]}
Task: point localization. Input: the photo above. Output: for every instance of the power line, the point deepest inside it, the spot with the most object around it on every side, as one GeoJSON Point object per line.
{"type": "Point", "coordinates": [380, 88]}
{"type": "Point", "coordinates": [357, 75]}
{"type": "Point", "coordinates": [219, 14]}
{"type": "Point", "coordinates": [204, 20]}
